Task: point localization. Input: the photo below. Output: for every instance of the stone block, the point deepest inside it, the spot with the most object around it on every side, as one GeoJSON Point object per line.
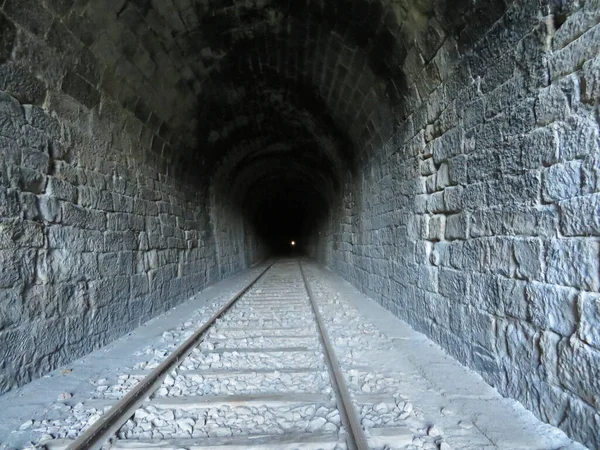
{"type": "Point", "coordinates": [589, 318]}
{"type": "Point", "coordinates": [79, 89]}
{"type": "Point", "coordinates": [591, 75]}
{"type": "Point", "coordinates": [440, 255]}
{"type": "Point", "coordinates": [30, 206]}
{"type": "Point", "coordinates": [528, 256]}
{"type": "Point", "coordinates": [435, 202]}
{"type": "Point", "coordinates": [590, 167]}
{"type": "Point", "coordinates": [423, 252]}
{"type": "Point", "coordinates": [573, 262]}
{"type": "Point", "coordinates": [552, 307]}
{"type": "Point", "coordinates": [428, 278]}
{"type": "Point", "coordinates": [87, 67]}
{"type": "Point", "coordinates": [21, 84]}
{"type": "Point", "coordinates": [475, 195]}
{"type": "Point", "coordinates": [50, 210]}
{"type": "Point", "coordinates": [35, 160]}
{"type": "Point", "coordinates": [480, 328]}
{"type": "Point", "coordinates": [83, 218]}
{"type": "Point", "coordinates": [540, 148]}
{"type": "Point", "coordinates": [8, 33]}
{"type": "Point", "coordinates": [139, 285]}
{"type": "Point", "coordinates": [551, 105]}
{"type": "Point", "coordinates": [31, 14]}
{"type": "Point", "coordinates": [521, 345]}
{"type": "Point", "coordinates": [109, 291]}
{"type": "Point", "coordinates": [454, 198]}
{"type": "Point", "coordinates": [436, 228]}
{"type": "Point", "coordinates": [443, 176]}
{"type": "Point", "coordinates": [579, 370]}
{"type": "Point", "coordinates": [577, 137]}
{"type": "Point", "coordinates": [420, 203]}
{"type": "Point", "coordinates": [500, 258]}
{"type": "Point", "coordinates": [62, 40]}
{"type": "Point", "coordinates": [561, 181]}
{"type": "Point", "coordinates": [115, 264]}
{"type": "Point", "coordinates": [61, 189]}
{"type": "Point", "coordinates": [31, 181]}
{"type": "Point", "coordinates": [454, 284]}
{"type": "Point", "coordinates": [458, 169]}
{"type": "Point", "coordinates": [570, 58]}
{"type": "Point", "coordinates": [10, 269]}
{"type": "Point", "coordinates": [511, 190]}
{"type": "Point", "coordinates": [427, 167]}
{"type": "Point", "coordinates": [483, 165]}
{"type": "Point", "coordinates": [580, 216]}
{"type": "Point", "coordinates": [457, 226]}
{"type": "Point", "coordinates": [430, 184]}
{"type": "Point", "coordinates": [60, 7]}
{"type": "Point", "coordinates": [448, 145]}
{"type": "Point", "coordinates": [119, 241]}
{"type": "Point", "coordinates": [9, 202]}
{"type": "Point", "coordinates": [469, 255]}
{"type": "Point", "coordinates": [63, 265]}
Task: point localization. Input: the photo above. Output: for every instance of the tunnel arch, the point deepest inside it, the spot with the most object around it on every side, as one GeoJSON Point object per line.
{"type": "Point", "coordinates": [445, 151]}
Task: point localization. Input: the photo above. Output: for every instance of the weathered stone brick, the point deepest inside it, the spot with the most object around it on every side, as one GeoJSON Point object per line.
{"type": "Point", "coordinates": [579, 369]}
{"type": "Point", "coordinates": [573, 262]}
{"type": "Point", "coordinates": [428, 278]}
{"type": "Point", "coordinates": [456, 226]}
{"type": "Point", "coordinates": [562, 181]}
{"type": "Point", "coordinates": [7, 37]}
{"type": "Point", "coordinates": [570, 58]}
{"type": "Point", "coordinates": [83, 218]}
{"type": "Point", "coordinates": [589, 318]}
{"type": "Point", "coordinates": [551, 105]}
{"type": "Point", "coordinates": [82, 91]}
{"type": "Point", "coordinates": [552, 307]}
{"type": "Point", "coordinates": [436, 228]}
{"type": "Point", "coordinates": [453, 284]}
{"type": "Point", "coordinates": [31, 181]}
{"type": "Point", "coordinates": [435, 202]}
{"type": "Point", "coordinates": [114, 289]}
{"type": "Point", "coordinates": [528, 256]}
{"type": "Point", "coordinates": [9, 202]}
{"type": "Point", "coordinates": [540, 147]}
{"type": "Point", "coordinates": [580, 216]}
{"type": "Point", "coordinates": [29, 13]}
{"type": "Point", "coordinates": [453, 198]}
{"type": "Point", "coordinates": [21, 84]}
{"type": "Point", "coordinates": [591, 76]}
{"type": "Point", "coordinates": [578, 137]}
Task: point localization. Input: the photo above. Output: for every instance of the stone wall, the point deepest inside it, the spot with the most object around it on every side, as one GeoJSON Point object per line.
{"type": "Point", "coordinates": [477, 219]}
{"type": "Point", "coordinates": [103, 222]}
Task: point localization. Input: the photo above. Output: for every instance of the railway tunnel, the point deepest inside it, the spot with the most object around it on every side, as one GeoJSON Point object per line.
{"type": "Point", "coordinates": [440, 155]}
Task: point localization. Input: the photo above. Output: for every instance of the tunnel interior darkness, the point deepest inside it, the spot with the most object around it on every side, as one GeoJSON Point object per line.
{"type": "Point", "coordinates": [441, 155]}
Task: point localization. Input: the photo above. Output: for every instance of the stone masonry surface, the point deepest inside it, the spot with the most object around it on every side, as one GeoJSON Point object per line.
{"type": "Point", "coordinates": [101, 225]}
{"type": "Point", "coordinates": [477, 218]}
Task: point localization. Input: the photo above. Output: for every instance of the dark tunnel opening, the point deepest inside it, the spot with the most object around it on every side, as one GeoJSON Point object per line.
{"type": "Point", "coordinates": [283, 212]}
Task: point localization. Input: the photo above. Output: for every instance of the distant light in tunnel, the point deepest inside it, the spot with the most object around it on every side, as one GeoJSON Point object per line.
{"type": "Point", "coordinates": [293, 243]}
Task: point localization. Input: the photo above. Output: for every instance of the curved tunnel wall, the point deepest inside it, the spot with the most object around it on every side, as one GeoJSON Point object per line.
{"type": "Point", "coordinates": [441, 156]}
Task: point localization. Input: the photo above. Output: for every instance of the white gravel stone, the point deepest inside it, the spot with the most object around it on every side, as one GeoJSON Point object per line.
{"type": "Point", "coordinates": [433, 431]}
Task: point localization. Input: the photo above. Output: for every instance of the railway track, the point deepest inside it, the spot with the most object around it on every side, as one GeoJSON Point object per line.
{"type": "Point", "coordinates": [262, 372]}
{"type": "Point", "coordinates": [287, 362]}
{"type": "Point", "coordinates": [269, 366]}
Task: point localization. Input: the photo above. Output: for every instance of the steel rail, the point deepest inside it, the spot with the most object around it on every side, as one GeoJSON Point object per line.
{"type": "Point", "coordinates": [105, 427]}
{"type": "Point", "coordinates": [356, 438]}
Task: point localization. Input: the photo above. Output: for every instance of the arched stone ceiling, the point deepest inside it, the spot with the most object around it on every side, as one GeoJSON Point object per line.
{"type": "Point", "coordinates": [327, 77]}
